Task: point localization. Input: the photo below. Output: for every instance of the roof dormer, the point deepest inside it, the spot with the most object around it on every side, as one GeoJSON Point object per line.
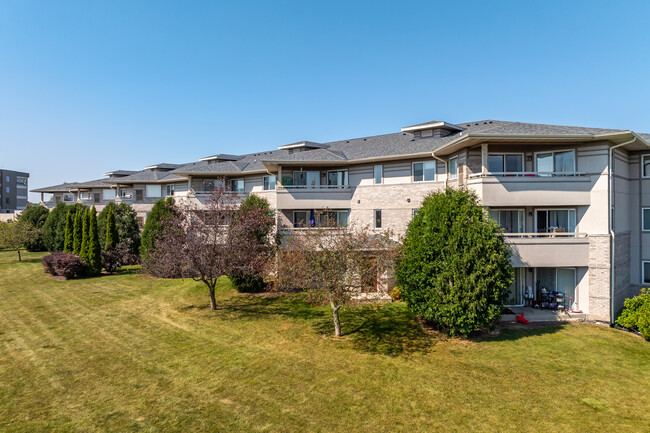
{"type": "Point", "coordinates": [435, 129]}
{"type": "Point", "coordinates": [301, 146]}
{"type": "Point", "coordinates": [221, 157]}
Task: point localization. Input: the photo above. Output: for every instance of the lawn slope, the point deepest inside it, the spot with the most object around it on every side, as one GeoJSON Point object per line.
{"type": "Point", "coordinates": [132, 353]}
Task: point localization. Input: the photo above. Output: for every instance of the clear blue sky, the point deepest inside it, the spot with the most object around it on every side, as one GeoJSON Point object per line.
{"type": "Point", "coordinates": [88, 87]}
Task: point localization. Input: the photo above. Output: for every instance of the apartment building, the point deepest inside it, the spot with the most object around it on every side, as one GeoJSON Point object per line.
{"type": "Point", "coordinates": [13, 190]}
{"type": "Point", "coordinates": [572, 201]}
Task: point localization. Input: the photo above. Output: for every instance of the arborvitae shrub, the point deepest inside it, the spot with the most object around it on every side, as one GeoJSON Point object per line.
{"type": "Point", "coordinates": [455, 270]}
{"type": "Point", "coordinates": [153, 226]}
{"type": "Point", "coordinates": [83, 252]}
{"type": "Point", "coordinates": [94, 254]}
{"type": "Point", "coordinates": [69, 234]}
{"type": "Point", "coordinates": [78, 233]}
{"type": "Point", "coordinates": [126, 224]}
{"type": "Point", "coordinates": [111, 229]}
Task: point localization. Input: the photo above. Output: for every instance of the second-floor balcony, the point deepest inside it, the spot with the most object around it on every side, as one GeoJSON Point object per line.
{"type": "Point", "coordinates": [554, 249]}
{"type": "Point", "coordinates": [313, 196]}
{"type": "Point", "coordinates": [532, 188]}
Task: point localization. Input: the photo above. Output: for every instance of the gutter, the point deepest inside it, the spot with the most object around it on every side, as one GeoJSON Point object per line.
{"type": "Point", "coordinates": [446, 167]}
{"type": "Point", "coordinates": [610, 221]}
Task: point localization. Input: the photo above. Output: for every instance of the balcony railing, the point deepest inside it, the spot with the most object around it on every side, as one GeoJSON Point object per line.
{"type": "Point", "coordinates": [545, 235]}
{"type": "Point", "coordinates": [314, 187]}
{"type": "Point", "coordinates": [529, 174]}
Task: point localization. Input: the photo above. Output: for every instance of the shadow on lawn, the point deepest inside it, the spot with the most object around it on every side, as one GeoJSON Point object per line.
{"type": "Point", "coordinates": [511, 333]}
{"type": "Point", "coordinates": [388, 329]}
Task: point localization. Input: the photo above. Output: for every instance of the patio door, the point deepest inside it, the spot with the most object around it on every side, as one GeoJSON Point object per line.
{"type": "Point", "coordinates": [566, 283]}
{"type": "Point", "coordinates": [516, 292]}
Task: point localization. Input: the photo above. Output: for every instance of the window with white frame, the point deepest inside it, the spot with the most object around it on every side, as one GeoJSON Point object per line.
{"type": "Point", "coordinates": [645, 219]}
{"type": "Point", "coordinates": [169, 189]}
{"type": "Point", "coordinates": [555, 162]}
{"type": "Point", "coordinates": [153, 191]}
{"type": "Point", "coordinates": [378, 174]}
{"type": "Point", "coordinates": [210, 185]}
{"type": "Point", "coordinates": [511, 221]}
{"type": "Point", "coordinates": [269, 183]}
{"type": "Point", "coordinates": [424, 171]}
{"type": "Point", "coordinates": [453, 168]}
{"type": "Point", "coordinates": [306, 179]}
{"type": "Point", "coordinates": [645, 165]}
{"type": "Point", "coordinates": [505, 163]}
{"type": "Point", "coordinates": [555, 220]}
{"type": "Point", "coordinates": [645, 271]}
{"type": "Point", "coordinates": [68, 197]}
{"type": "Point", "coordinates": [337, 178]}
{"type": "Point", "coordinates": [328, 218]}
{"type": "Point", "coordinates": [84, 195]}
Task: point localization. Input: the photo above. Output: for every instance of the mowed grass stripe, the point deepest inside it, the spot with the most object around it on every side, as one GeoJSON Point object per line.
{"type": "Point", "coordinates": [131, 353]}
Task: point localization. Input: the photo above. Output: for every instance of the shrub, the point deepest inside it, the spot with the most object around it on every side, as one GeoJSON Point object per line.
{"type": "Point", "coordinates": [455, 270]}
{"type": "Point", "coordinates": [126, 224]}
{"type": "Point", "coordinates": [117, 256]}
{"type": "Point", "coordinates": [396, 294]}
{"type": "Point", "coordinates": [94, 254]}
{"type": "Point", "coordinates": [65, 265]}
{"type": "Point", "coordinates": [636, 314]}
{"type": "Point", "coordinates": [54, 225]}
{"type": "Point", "coordinates": [68, 244]}
{"type": "Point", "coordinates": [36, 216]}
{"type": "Point", "coordinates": [162, 210]}
{"type": "Point", "coordinates": [78, 233]}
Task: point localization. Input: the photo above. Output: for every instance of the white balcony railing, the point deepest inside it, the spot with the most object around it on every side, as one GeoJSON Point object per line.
{"type": "Point", "coordinates": [529, 174]}
{"type": "Point", "coordinates": [545, 235]}
{"type": "Point", "coordinates": [314, 187]}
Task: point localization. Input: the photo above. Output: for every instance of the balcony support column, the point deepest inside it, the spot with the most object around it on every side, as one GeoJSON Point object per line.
{"type": "Point", "coordinates": [484, 158]}
{"type": "Point", "coordinates": [278, 181]}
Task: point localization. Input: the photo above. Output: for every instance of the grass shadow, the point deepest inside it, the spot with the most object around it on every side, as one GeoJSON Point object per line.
{"type": "Point", "coordinates": [517, 332]}
{"type": "Point", "coordinates": [251, 306]}
{"type": "Point", "coordinates": [389, 329]}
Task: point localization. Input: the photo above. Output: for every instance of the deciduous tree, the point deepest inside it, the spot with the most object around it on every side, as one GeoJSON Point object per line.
{"type": "Point", "coordinates": [15, 235]}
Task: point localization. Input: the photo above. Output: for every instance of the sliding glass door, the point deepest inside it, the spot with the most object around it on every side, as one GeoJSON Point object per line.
{"type": "Point", "coordinates": [511, 221]}
{"type": "Point", "coordinates": [516, 292]}
{"type": "Point", "coordinates": [556, 220]}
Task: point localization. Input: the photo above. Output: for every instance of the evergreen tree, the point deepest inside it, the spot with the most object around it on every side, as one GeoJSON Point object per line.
{"type": "Point", "coordinates": [76, 243]}
{"type": "Point", "coordinates": [94, 252]}
{"type": "Point", "coordinates": [83, 252]}
{"type": "Point", "coordinates": [126, 224]}
{"type": "Point", "coordinates": [36, 215]}
{"type": "Point", "coordinates": [162, 210]}
{"type": "Point", "coordinates": [69, 235]}
{"type": "Point", "coordinates": [455, 270]}
{"type": "Point", "coordinates": [111, 229]}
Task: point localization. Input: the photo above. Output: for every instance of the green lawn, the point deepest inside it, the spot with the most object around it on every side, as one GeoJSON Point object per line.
{"type": "Point", "coordinates": [132, 353]}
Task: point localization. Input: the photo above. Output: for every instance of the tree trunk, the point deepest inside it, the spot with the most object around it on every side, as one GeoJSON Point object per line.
{"type": "Point", "coordinates": [335, 317]}
{"type": "Point", "coordinates": [213, 300]}
{"type": "Point", "coordinates": [19, 258]}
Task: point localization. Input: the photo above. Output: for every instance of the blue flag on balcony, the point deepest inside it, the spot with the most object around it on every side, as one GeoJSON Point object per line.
{"type": "Point", "coordinates": [312, 218]}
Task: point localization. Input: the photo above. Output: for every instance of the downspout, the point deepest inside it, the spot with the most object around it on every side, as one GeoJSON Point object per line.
{"type": "Point", "coordinates": [612, 237]}
{"type": "Point", "coordinates": [446, 168]}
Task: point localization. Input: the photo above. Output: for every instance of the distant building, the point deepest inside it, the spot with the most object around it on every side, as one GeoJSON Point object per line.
{"type": "Point", "coordinates": [13, 190]}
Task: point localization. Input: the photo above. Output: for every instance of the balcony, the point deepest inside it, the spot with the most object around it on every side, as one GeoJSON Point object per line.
{"type": "Point", "coordinates": [532, 188]}
{"type": "Point", "coordinates": [314, 197]}
{"type": "Point", "coordinates": [548, 249]}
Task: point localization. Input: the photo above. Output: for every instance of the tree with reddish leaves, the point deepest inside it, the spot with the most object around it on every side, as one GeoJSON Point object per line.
{"type": "Point", "coordinates": [335, 264]}
{"type": "Point", "coordinates": [205, 242]}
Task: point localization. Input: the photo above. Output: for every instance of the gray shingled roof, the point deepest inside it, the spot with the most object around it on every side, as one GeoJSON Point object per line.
{"type": "Point", "coordinates": [74, 186]}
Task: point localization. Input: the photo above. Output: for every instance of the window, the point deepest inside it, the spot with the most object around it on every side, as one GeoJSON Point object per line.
{"type": "Point", "coordinates": [68, 197]}
{"type": "Point", "coordinates": [306, 179]}
{"type": "Point", "coordinates": [7, 178]}
{"type": "Point", "coordinates": [424, 171]}
{"type": "Point", "coordinates": [377, 218]}
{"type": "Point", "coordinates": [415, 212]}
{"type": "Point", "coordinates": [237, 185]}
{"type": "Point", "coordinates": [269, 183]}
{"type": "Point", "coordinates": [210, 185]}
{"type": "Point", "coordinates": [301, 218]}
{"type": "Point", "coordinates": [124, 193]}
{"type": "Point", "coordinates": [645, 166]}
{"type": "Point", "coordinates": [138, 195]}
{"type": "Point", "coordinates": [7, 189]}
{"type": "Point", "coordinates": [558, 279]}
{"type": "Point", "coordinates": [453, 168]}
{"type": "Point", "coordinates": [8, 200]}
{"type": "Point", "coordinates": [555, 162]}
{"type": "Point", "coordinates": [108, 194]}
{"type": "Point", "coordinates": [96, 197]}
{"type": "Point", "coordinates": [153, 190]}
{"type": "Point", "coordinates": [84, 195]}
{"type": "Point", "coordinates": [645, 278]}
{"type": "Point", "coordinates": [337, 218]}
{"type": "Point", "coordinates": [169, 189]}
{"type": "Point", "coordinates": [378, 173]}
{"type": "Point", "coordinates": [556, 221]}
{"type": "Point", "coordinates": [506, 163]}
{"type": "Point", "coordinates": [645, 219]}
{"type": "Point", "coordinates": [511, 221]}
{"type": "Point", "coordinates": [337, 178]}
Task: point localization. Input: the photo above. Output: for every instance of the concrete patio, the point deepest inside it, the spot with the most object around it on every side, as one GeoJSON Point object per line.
{"type": "Point", "coordinates": [534, 315]}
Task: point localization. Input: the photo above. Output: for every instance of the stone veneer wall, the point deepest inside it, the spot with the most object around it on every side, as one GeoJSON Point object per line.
{"type": "Point", "coordinates": [599, 277]}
